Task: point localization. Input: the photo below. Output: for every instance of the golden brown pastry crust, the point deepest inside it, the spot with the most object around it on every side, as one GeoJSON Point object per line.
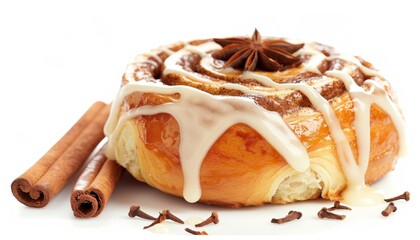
{"type": "Point", "coordinates": [239, 166]}
{"type": "Point", "coordinates": [242, 168]}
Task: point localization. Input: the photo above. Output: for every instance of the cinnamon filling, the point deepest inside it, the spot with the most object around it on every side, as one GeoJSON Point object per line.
{"type": "Point", "coordinates": [322, 76]}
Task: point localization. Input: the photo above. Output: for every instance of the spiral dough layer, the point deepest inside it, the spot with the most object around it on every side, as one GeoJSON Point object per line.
{"type": "Point", "coordinates": [186, 125]}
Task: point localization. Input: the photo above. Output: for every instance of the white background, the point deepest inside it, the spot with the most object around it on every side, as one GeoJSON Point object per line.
{"type": "Point", "coordinates": [58, 57]}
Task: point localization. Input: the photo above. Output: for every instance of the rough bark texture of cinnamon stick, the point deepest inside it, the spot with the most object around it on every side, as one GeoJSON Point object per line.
{"type": "Point", "coordinates": [48, 176]}
{"type": "Point", "coordinates": [95, 186]}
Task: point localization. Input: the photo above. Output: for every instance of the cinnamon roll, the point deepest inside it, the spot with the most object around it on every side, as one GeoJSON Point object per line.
{"type": "Point", "coordinates": [250, 120]}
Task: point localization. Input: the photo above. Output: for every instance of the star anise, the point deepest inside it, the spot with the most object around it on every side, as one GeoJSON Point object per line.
{"type": "Point", "coordinates": [256, 53]}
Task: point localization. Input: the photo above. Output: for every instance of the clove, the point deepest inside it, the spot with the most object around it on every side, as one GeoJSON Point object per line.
{"type": "Point", "coordinates": [405, 196]}
{"type": "Point", "coordinates": [136, 212]}
{"type": "Point", "coordinates": [324, 213]}
{"type": "Point", "coordinates": [195, 232]}
{"type": "Point", "coordinates": [293, 215]}
{"type": "Point", "coordinates": [159, 219]}
{"type": "Point", "coordinates": [214, 218]}
{"type": "Point", "coordinates": [389, 209]}
{"type": "Point", "coordinates": [172, 217]}
{"type": "Point", "coordinates": [337, 205]}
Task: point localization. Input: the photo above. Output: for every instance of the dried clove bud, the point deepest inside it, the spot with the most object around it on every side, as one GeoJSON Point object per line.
{"type": "Point", "coordinates": [323, 213]}
{"type": "Point", "coordinates": [405, 196]}
{"type": "Point", "coordinates": [293, 215]}
{"type": "Point", "coordinates": [195, 232]}
{"type": "Point", "coordinates": [214, 218]}
{"type": "Point", "coordinates": [389, 209]}
{"type": "Point", "coordinates": [136, 212]}
{"type": "Point", "coordinates": [172, 217]}
{"type": "Point", "coordinates": [159, 219]}
{"type": "Point", "coordinates": [337, 205]}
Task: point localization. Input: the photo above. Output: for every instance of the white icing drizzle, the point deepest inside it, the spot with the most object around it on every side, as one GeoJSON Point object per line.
{"type": "Point", "coordinates": [154, 56]}
{"type": "Point", "coordinates": [203, 118]}
{"type": "Point", "coordinates": [362, 102]}
{"type": "Point", "coordinates": [321, 104]}
{"type": "Point", "coordinates": [316, 59]}
{"type": "Point", "coordinates": [144, 59]}
{"type": "Point", "coordinates": [166, 50]}
{"type": "Point", "coordinates": [171, 67]}
{"type": "Point", "coordinates": [155, 64]}
{"type": "Point", "coordinates": [365, 70]}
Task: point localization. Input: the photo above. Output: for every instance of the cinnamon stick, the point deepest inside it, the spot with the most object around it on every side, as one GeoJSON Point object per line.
{"type": "Point", "coordinates": [95, 186]}
{"type": "Point", "coordinates": [42, 181]}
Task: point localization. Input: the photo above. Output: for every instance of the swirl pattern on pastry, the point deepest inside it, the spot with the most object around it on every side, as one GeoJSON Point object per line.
{"type": "Point", "coordinates": [188, 126]}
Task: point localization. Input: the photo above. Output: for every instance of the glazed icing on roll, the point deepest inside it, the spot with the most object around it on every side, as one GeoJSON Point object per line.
{"type": "Point", "coordinates": [203, 118]}
{"type": "Point", "coordinates": [212, 93]}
